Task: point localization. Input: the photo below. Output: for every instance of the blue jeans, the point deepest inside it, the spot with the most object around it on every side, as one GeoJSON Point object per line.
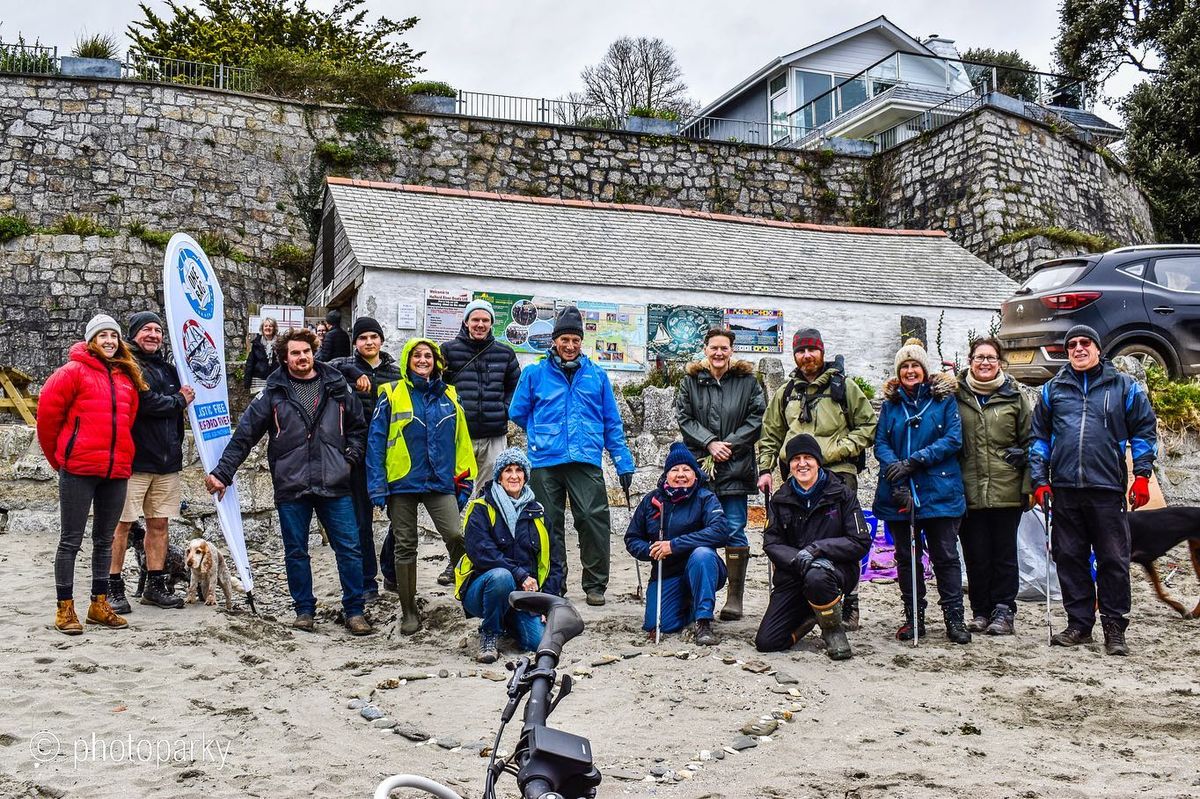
{"type": "Point", "coordinates": [734, 506]}
{"type": "Point", "coordinates": [487, 598]}
{"type": "Point", "coordinates": [341, 524]}
{"type": "Point", "coordinates": [689, 596]}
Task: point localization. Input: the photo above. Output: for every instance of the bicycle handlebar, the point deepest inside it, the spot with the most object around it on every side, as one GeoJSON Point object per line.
{"type": "Point", "coordinates": [562, 620]}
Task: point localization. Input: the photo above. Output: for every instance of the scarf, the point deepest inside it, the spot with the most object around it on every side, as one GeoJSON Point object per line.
{"type": "Point", "coordinates": [509, 507]}
{"type": "Point", "coordinates": [677, 495]}
{"type": "Point", "coordinates": [985, 387]}
{"type": "Point", "coordinates": [810, 496]}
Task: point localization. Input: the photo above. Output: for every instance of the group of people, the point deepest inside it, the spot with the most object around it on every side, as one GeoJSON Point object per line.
{"type": "Point", "coordinates": [959, 456]}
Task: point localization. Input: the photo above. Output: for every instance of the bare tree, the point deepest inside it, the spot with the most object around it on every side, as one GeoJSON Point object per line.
{"type": "Point", "coordinates": [636, 73]}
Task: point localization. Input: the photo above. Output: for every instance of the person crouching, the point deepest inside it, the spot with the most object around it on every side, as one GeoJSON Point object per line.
{"type": "Point", "coordinates": [509, 548]}
{"type": "Point", "coordinates": [816, 537]}
{"type": "Point", "coordinates": [681, 525]}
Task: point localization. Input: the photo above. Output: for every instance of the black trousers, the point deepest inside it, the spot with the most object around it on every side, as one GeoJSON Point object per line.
{"type": "Point", "coordinates": [941, 537]}
{"type": "Point", "coordinates": [1089, 520]}
{"type": "Point", "coordinates": [77, 496]}
{"type": "Point", "coordinates": [791, 606]}
{"type": "Point", "coordinates": [364, 514]}
{"type": "Point", "coordinates": [989, 544]}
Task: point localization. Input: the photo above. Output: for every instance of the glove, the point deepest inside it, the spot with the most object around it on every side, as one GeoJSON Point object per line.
{"type": "Point", "coordinates": [1042, 495]}
{"type": "Point", "coordinates": [626, 480]}
{"type": "Point", "coordinates": [902, 497]}
{"type": "Point", "coordinates": [1139, 493]}
{"type": "Point", "coordinates": [802, 562]}
{"type": "Point", "coordinates": [462, 496]}
{"type": "Point", "coordinates": [1013, 456]}
{"type": "Point", "coordinates": [900, 471]}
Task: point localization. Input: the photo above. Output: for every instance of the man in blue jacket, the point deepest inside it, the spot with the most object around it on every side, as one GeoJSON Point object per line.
{"type": "Point", "coordinates": [1087, 415]}
{"type": "Point", "coordinates": [566, 406]}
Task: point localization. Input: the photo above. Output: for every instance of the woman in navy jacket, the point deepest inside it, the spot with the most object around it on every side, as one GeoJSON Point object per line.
{"type": "Point", "coordinates": [681, 524]}
{"type": "Point", "coordinates": [920, 483]}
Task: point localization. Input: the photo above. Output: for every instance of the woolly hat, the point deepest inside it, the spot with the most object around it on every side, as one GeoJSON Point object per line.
{"type": "Point", "coordinates": [680, 454]}
{"type": "Point", "coordinates": [1083, 330]}
{"type": "Point", "coordinates": [100, 321]}
{"type": "Point", "coordinates": [913, 350]}
{"type": "Point", "coordinates": [365, 324]}
{"type": "Point", "coordinates": [479, 305]}
{"type": "Point", "coordinates": [803, 444]}
{"type": "Point", "coordinates": [807, 337]}
{"type": "Point", "coordinates": [510, 456]}
{"type": "Point", "coordinates": [140, 319]}
{"type": "Point", "coordinates": [569, 321]}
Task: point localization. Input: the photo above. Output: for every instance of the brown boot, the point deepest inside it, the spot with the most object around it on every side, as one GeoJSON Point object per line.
{"type": "Point", "coordinates": [100, 613]}
{"type": "Point", "coordinates": [736, 559]}
{"type": "Point", "coordinates": [65, 620]}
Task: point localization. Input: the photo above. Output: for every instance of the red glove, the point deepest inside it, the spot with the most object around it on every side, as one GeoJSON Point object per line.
{"type": "Point", "coordinates": [1139, 493]}
{"type": "Point", "coordinates": [1042, 495]}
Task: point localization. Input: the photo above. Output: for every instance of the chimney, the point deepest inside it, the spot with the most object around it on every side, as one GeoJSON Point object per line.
{"type": "Point", "coordinates": [942, 46]}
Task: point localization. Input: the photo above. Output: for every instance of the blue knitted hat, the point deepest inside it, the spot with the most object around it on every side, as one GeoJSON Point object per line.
{"type": "Point", "coordinates": [679, 453]}
{"type": "Point", "coordinates": [509, 456]}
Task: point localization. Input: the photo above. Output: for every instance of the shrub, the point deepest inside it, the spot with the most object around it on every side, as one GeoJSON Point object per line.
{"type": "Point", "coordinates": [434, 88]}
{"type": "Point", "coordinates": [25, 58]}
{"type": "Point", "coordinates": [12, 227]}
{"type": "Point", "coordinates": [73, 225]}
{"type": "Point", "coordinates": [98, 45]}
{"type": "Point", "coordinates": [1175, 402]}
{"type": "Point", "coordinates": [216, 244]}
{"type": "Point", "coordinates": [291, 258]}
{"type": "Point", "coordinates": [868, 390]}
{"type": "Point", "coordinates": [1064, 237]}
{"type": "Point", "coordinates": [312, 77]}
{"type": "Point", "coordinates": [157, 238]}
{"type": "Point", "coordinates": [669, 376]}
{"type": "Point", "coordinates": [654, 113]}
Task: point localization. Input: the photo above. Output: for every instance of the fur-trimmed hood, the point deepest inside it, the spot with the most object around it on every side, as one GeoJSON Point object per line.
{"type": "Point", "coordinates": [941, 385]}
{"type": "Point", "coordinates": [736, 366]}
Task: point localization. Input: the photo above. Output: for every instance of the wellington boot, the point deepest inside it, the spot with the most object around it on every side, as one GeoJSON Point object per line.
{"type": "Point", "coordinates": [65, 620]}
{"type": "Point", "coordinates": [736, 559]}
{"type": "Point", "coordinates": [100, 612]}
{"type": "Point", "coordinates": [406, 586]}
{"type": "Point", "coordinates": [829, 617]}
{"type": "Point", "coordinates": [850, 612]}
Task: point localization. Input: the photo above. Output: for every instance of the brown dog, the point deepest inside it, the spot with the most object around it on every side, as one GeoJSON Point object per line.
{"type": "Point", "coordinates": [1154, 533]}
{"type": "Point", "coordinates": [207, 568]}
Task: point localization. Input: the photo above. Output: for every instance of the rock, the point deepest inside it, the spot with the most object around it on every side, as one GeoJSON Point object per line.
{"type": "Point", "coordinates": [729, 660]}
{"type": "Point", "coordinates": [413, 675]}
{"type": "Point", "coordinates": [783, 678]}
{"type": "Point", "coordinates": [782, 715]}
{"type": "Point", "coordinates": [370, 712]}
{"type": "Point", "coordinates": [684, 775]}
{"type": "Point", "coordinates": [355, 704]}
{"type": "Point", "coordinates": [410, 731]}
{"type": "Point", "coordinates": [659, 770]}
{"type": "Point", "coordinates": [604, 660]}
{"type": "Point", "coordinates": [760, 727]}
{"type": "Point", "coordinates": [705, 754]}
{"type": "Point", "coordinates": [474, 746]}
{"type": "Point", "coordinates": [683, 654]}
{"type": "Point", "coordinates": [581, 671]}
{"type": "Point", "coordinates": [781, 689]}
{"type": "Point", "coordinates": [388, 684]}
{"type": "Point", "coordinates": [719, 754]}
{"type": "Point", "coordinates": [742, 742]}
{"type": "Point", "coordinates": [968, 728]}
{"type": "Point", "coordinates": [658, 410]}
{"type": "Point", "coordinates": [383, 723]}
{"type": "Point", "coordinates": [628, 775]}
{"type": "Point", "coordinates": [632, 653]}
{"type": "Point", "coordinates": [448, 743]}
{"type": "Point", "coordinates": [494, 676]}
{"type": "Point", "coordinates": [756, 667]}
{"type": "Point", "coordinates": [443, 673]}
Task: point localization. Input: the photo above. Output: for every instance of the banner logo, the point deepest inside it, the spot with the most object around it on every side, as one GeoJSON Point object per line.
{"type": "Point", "coordinates": [197, 285]}
{"type": "Point", "coordinates": [201, 354]}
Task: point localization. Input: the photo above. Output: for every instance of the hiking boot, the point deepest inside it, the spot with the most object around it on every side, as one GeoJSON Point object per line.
{"type": "Point", "coordinates": [905, 633]}
{"type": "Point", "coordinates": [1071, 637]}
{"type": "Point", "coordinates": [388, 585]}
{"type": "Point", "coordinates": [979, 623]}
{"type": "Point", "coordinates": [370, 595]}
{"type": "Point", "coordinates": [850, 612]}
{"type": "Point", "coordinates": [595, 598]}
{"type": "Point", "coordinates": [488, 647]}
{"type": "Point", "coordinates": [956, 630]}
{"type": "Point", "coordinates": [736, 559]}
{"type": "Point", "coordinates": [358, 625]}
{"type": "Point", "coordinates": [406, 585]}
{"type": "Point", "coordinates": [304, 621]}
{"type": "Point", "coordinates": [447, 575]}
{"type": "Point", "coordinates": [804, 629]}
{"type": "Point", "coordinates": [833, 631]}
{"type": "Point", "coordinates": [1114, 637]}
{"type": "Point", "coordinates": [704, 633]}
{"type": "Point", "coordinates": [156, 594]}
{"type": "Point", "coordinates": [65, 620]}
{"type": "Point", "coordinates": [116, 594]}
{"type": "Point", "coordinates": [99, 612]}
{"type": "Point", "coordinates": [1001, 622]}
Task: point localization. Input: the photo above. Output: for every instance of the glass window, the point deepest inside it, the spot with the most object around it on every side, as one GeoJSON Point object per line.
{"type": "Point", "coordinates": [1054, 277]}
{"type": "Point", "coordinates": [809, 86]}
{"type": "Point", "coordinates": [850, 94]}
{"type": "Point", "coordinates": [778, 84]}
{"type": "Point", "coordinates": [1178, 274]}
{"type": "Point", "coordinates": [1137, 270]}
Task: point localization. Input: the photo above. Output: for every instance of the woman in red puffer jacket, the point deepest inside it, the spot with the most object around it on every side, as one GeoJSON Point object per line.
{"type": "Point", "coordinates": [85, 419]}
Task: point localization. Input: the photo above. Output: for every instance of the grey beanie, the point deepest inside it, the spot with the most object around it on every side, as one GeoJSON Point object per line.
{"type": "Point", "coordinates": [510, 456]}
{"type": "Point", "coordinates": [100, 321]}
{"type": "Point", "coordinates": [1084, 330]}
{"type": "Point", "coordinates": [569, 321]}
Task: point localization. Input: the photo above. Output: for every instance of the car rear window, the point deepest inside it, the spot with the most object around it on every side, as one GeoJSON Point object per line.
{"type": "Point", "coordinates": [1053, 277]}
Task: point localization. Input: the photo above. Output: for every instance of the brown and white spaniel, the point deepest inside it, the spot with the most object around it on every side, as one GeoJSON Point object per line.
{"type": "Point", "coordinates": [207, 568]}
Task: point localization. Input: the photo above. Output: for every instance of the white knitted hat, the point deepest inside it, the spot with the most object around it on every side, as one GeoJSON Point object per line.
{"type": "Point", "coordinates": [100, 321]}
{"type": "Point", "coordinates": [913, 350]}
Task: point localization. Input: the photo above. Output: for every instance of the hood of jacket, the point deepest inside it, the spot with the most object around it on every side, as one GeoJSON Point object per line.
{"type": "Point", "coordinates": [939, 384]}
{"type": "Point", "coordinates": [80, 353]}
{"type": "Point", "coordinates": [439, 360]}
{"type": "Point", "coordinates": [736, 367]}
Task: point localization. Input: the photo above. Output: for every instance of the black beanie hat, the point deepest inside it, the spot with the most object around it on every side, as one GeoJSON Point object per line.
{"type": "Point", "coordinates": [365, 324]}
{"type": "Point", "coordinates": [803, 444]}
{"type": "Point", "coordinates": [569, 321]}
{"type": "Point", "coordinates": [1083, 330]}
{"type": "Point", "coordinates": [140, 319]}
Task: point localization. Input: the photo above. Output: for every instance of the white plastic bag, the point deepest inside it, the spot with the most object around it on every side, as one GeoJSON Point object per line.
{"type": "Point", "coordinates": [1032, 560]}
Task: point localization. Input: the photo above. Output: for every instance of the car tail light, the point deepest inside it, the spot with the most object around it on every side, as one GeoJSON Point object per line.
{"type": "Point", "coordinates": [1071, 301]}
{"type": "Point", "coordinates": [1055, 351]}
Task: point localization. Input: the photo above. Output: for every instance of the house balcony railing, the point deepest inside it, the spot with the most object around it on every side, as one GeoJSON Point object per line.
{"type": "Point", "coordinates": [540, 110]}
{"type": "Point", "coordinates": [28, 58]}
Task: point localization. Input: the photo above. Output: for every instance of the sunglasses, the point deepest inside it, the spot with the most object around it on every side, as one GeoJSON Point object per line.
{"type": "Point", "coordinates": [1079, 344]}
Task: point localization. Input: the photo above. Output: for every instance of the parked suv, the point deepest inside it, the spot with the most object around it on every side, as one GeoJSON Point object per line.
{"type": "Point", "coordinates": [1143, 301]}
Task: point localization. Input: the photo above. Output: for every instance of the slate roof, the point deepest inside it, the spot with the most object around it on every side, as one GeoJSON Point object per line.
{"type": "Point", "coordinates": [1087, 120]}
{"type": "Point", "coordinates": [476, 234]}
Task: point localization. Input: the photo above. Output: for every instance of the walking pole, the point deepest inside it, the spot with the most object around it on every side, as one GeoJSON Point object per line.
{"type": "Point", "coordinates": [912, 559]}
{"type": "Point", "coordinates": [1049, 527]}
{"type": "Point", "coordinates": [637, 564]}
{"type": "Point", "coordinates": [658, 603]}
{"type": "Point", "coordinates": [770, 565]}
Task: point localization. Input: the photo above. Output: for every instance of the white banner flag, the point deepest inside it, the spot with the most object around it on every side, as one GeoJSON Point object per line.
{"type": "Point", "coordinates": [196, 324]}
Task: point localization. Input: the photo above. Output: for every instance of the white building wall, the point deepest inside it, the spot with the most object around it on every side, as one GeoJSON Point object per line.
{"type": "Point", "coordinates": [867, 334]}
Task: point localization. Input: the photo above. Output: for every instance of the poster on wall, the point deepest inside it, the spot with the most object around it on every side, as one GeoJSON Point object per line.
{"type": "Point", "coordinates": [523, 322]}
{"type": "Point", "coordinates": [676, 332]}
{"type": "Point", "coordinates": [443, 313]}
{"type": "Point", "coordinates": [614, 336]}
{"type": "Point", "coordinates": [756, 329]}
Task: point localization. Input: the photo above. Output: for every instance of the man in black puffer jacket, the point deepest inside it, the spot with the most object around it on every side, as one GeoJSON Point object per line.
{"type": "Point", "coordinates": [336, 343]}
{"type": "Point", "coordinates": [485, 374]}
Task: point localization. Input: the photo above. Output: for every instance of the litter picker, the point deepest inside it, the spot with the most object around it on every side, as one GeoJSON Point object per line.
{"type": "Point", "coordinates": [1048, 526]}
{"type": "Point", "coordinates": [637, 564]}
{"type": "Point", "coordinates": [912, 559]}
{"type": "Point", "coordinates": [770, 565]}
{"type": "Point", "coordinates": [662, 520]}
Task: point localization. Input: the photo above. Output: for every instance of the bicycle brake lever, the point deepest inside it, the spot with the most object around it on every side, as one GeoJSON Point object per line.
{"type": "Point", "coordinates": [516, 688]}
{"type": "Point", "coordinates": [563, 691]}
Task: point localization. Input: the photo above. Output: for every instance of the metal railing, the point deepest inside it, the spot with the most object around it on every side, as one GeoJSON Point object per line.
{"type": "Point", "coordinates": [744, 131]}
{"type": "Point", "coordinates": [535, 109]}
{"type": "Point", "coordinates": [929, 119]}
{"type": "Point", "coordinates": [28, 59]}
{"type": "Point", "coordinates": [190, 73]}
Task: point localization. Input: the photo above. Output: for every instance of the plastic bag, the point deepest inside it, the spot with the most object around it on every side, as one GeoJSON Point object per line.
{"type": "Point", "coordinates": [1032, 561]}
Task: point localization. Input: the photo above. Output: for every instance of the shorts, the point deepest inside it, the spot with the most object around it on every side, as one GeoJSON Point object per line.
{"type": "Point", "coordinates": [154, 496]}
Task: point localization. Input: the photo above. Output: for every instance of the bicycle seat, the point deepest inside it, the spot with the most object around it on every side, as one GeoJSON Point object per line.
{"type": "Point", "coordinates": [562, 620]}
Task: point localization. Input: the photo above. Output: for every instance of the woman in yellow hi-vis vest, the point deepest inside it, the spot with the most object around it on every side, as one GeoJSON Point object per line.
{"type": "Point", "coordinates": [509, 548]}
{"type": "Point", "coordinates": [419, 453]}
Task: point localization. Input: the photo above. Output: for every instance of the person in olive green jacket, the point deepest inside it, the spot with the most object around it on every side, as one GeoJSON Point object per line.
{"type": "Point", "coordinates": [819, 399]}
{"type": "Point", "coordinates": [996, 430]}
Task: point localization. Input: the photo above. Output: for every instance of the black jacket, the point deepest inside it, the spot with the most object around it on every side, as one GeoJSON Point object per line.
{"type": "Point", "coordinates": [336, 344]}
{"type": "Point", "coordinates": [158, 427]}
{"type": "Point", "coordinates": [834, 529]}
{"type": "Point", "coordinates": [727, 410]}
{"type": "Point", "coordinates": [354, 367]}
{"type": "Point", "coordinates": [485, 374]}
{"type": "Point", "coordinates": [260, 362]}
{"type": "Point", "coordinates": [305, 459]}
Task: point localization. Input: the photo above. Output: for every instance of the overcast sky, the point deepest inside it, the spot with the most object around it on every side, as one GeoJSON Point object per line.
{"type": "Point", "coordinates": [536, 48]}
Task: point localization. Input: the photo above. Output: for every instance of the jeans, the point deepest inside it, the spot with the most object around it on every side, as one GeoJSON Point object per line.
{"type": "Point", "coordinates": [791, 604]}
{"type": "Point", "coordinates": [487, 598]}
{"type": "Point", "coordinates": [341, 524]}
{"type": "Point", "coordinates": [734, 506]}
{"type": "Point", "coordinates": [686, 597]}
{"type": "Point", "coordinates": [77, 495]}
{"type": "Point", "coordinates": [1085, 521]}
{"type": "Point", "coordinates": [364, 513]}
{"type": "Point", "coordinates": [941, 536]}
{"type": "Point", "coordinates": [989, 544]}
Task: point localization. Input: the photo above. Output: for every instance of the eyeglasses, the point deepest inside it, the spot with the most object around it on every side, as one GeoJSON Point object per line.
{"type": "Point", "coordinates": [1079, 344]}
{"type": "Point", "coordinates": [985, 359]}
